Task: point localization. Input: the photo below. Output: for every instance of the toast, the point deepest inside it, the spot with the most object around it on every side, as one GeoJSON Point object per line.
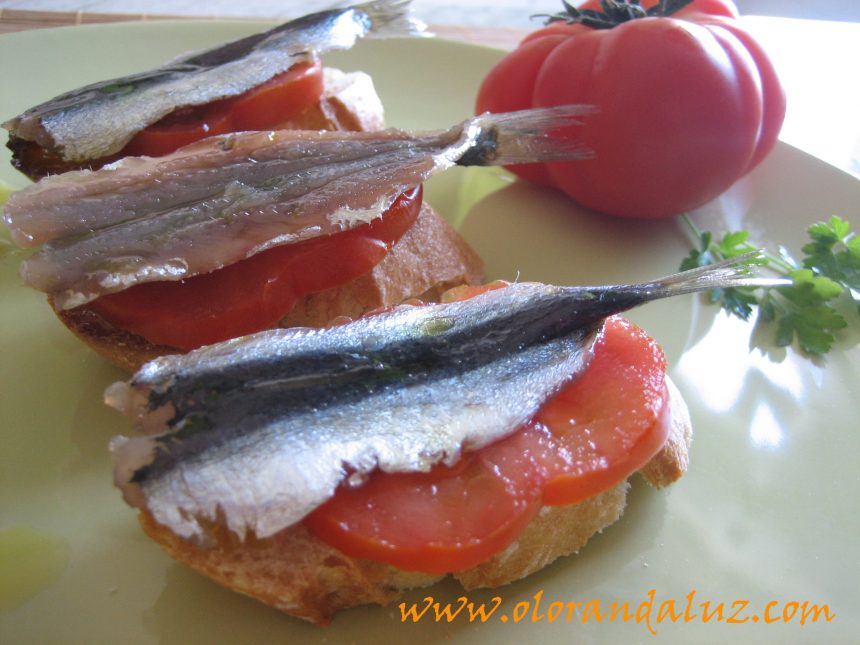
{"type": "Point", "coordinates": [299, 574]}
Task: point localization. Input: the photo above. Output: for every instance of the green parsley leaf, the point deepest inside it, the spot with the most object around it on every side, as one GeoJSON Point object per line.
{"type": "Point", "coordinates": [802, 312]}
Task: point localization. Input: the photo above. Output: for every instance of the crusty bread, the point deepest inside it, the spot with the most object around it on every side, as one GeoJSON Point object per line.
{"type": "Point", "coordinates": [349, 102]}
{"type": "Point", "coordinates": [428, 259]}
{"type": "Point", "coordinates": [299, 574]}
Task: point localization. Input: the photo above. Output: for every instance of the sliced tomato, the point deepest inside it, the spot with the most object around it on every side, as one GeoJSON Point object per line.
{"type": "Point", "coordinates": [446, 520]}
{"type": "Point", "coordinates": [591, 436]}
{"type": "Point", "coordinates": [179, 128]}
{"type": "Point", "coordinates": [610, 421]}
{"type": "Point", "coordinates": [257, 292]}
{"type": "Point", "coordinates": [266, 106]}
{"type": "Point", "coordinates": [280, 99]}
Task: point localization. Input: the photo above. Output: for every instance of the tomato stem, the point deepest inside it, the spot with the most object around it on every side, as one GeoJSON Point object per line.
{"type": "Point", "coordinates": [614, 12]}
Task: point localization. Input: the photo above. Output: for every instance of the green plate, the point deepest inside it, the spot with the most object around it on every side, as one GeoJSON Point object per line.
{"type": "Point", "coordinates": [766, 513]}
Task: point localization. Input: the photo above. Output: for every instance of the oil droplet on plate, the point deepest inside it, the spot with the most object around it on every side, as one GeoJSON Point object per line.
{"type": "Point", "coordinates": [30, 562]}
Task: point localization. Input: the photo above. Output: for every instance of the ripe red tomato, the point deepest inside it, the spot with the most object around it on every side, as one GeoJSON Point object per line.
{"type": "Point", "coordinates": [591, 436]}
{"type": "Point", "coordinates": [257, 292]}
{"type": "Point", "coordinates": [686, 105]}
{"type": "Point", "coordinates": [263, 107]}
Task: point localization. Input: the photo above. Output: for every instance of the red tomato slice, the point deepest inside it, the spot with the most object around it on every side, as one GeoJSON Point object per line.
{"type": "Point", "coordinates": [263, 107]}
{"type": "Point", "coordinates": [446, 520]}
{"type": "Point", "coordinates": [179, 128]}
{"type": "Point", "coordinates": [610, 421]}
{"type": "Point", "coordinates": [592, 435]}
{"type": "Point", "coordinates": [257, 292]}
{"type": "Point", "coordinates": [279, 99]}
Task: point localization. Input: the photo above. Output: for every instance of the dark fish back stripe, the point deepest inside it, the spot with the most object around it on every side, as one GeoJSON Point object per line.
{"type": "Point", "coordinates": [315, 380]}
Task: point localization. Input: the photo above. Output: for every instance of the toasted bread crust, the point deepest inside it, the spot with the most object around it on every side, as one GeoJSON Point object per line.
{"type": "Point", "coordinates": [124, 349]}
{"type": "Point", "coordinates": [670, 464]}
{"type": "Point", "coordinates": [430, 258]}
{"type": "Point", "coordinates": [299, 574]}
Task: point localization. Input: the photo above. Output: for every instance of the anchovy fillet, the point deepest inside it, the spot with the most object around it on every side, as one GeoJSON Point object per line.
{"type": "Point", "coordinates": [98, 120]}
{"type": "Point", "coordinates": [226, 198]}
{"type": "Point", "coordinates": [261, 430]}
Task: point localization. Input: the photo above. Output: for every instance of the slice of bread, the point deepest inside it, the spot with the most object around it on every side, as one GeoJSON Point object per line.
{"type": "Point", "coordinates": [299, 574]}
{"type": "Point", "coordinates": [430, 258]}
{"type": "Point", "coordinates": [349, 102]}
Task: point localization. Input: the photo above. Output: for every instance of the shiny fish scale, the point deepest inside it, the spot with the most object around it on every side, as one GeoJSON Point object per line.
{"type": "Point", "coordinates": [98, 120]}
{"type": "Point", "coordinates": [299, 460]}
{"type": "Point", "coordinates": [244, 217]}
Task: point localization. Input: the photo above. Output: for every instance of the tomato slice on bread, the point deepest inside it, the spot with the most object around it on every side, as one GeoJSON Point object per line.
{"type": "Point", "coordinates": [264, 107]}
{"type": "Point", "coordinates": [611, 420]}
{"type": "Point", "coordinates": [592, 435]}
{"type": "Point", "coordinates": [446, 520]}
{"type": "Point", "coordinates": [257, 292]}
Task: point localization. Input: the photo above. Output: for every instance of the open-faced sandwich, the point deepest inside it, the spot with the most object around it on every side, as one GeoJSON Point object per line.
{"type": "Point", "coordinates": [266, 81]}
{"type": "Point", "coordinates": [243, 232]}
{"type": "Point", "coordinates": [482, 437]}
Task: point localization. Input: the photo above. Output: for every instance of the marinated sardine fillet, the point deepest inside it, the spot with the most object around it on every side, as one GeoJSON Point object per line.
{"type": "Point", "coordinates": [226, 198]}
{"type": "Point", "coordinates": [98, 120]}
{"type": "Point", "coordinates": [259, 431]}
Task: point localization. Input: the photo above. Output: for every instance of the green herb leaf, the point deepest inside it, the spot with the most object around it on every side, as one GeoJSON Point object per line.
{"type": "Point", "coordinates": [803, 311]}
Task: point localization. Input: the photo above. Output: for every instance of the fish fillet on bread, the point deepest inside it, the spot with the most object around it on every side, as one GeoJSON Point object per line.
{"type": "Point", "coordinates": [430, 258]}
{"type": "Point", "coordinates": [299, 574]}
{"type": "Point", "coordinates": [267, 80]}
{"type": "Point", "coordinates": [400, 391]}
{"type": "Point", "coordinates": [149, 226]}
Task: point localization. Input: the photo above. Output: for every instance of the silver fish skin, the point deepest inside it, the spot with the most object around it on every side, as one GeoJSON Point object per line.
{"type": "Point", "coordinates": [98, 120]}
{"type": "Point", "coordinates": [226, 198]}
{"type": "Point", "coordinates": [261, 430]}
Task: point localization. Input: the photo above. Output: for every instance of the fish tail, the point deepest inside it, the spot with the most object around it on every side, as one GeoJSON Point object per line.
{"type": "Point", "coordinates": [526, 136]}
{"type": "Point", "coordinates": [390, 18]}
{"type": "Point", "coordinates": [726, 274]}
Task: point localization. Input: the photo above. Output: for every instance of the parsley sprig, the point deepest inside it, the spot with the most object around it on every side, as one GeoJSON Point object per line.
{"type": "Point", "coordinates": [803, 310]}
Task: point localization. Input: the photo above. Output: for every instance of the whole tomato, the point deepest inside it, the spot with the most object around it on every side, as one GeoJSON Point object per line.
{"type": "Point", "coordinates": [685, 104]}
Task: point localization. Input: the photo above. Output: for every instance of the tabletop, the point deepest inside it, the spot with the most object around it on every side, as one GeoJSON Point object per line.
{"type": "Point", "coordinates": [815, 58]}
